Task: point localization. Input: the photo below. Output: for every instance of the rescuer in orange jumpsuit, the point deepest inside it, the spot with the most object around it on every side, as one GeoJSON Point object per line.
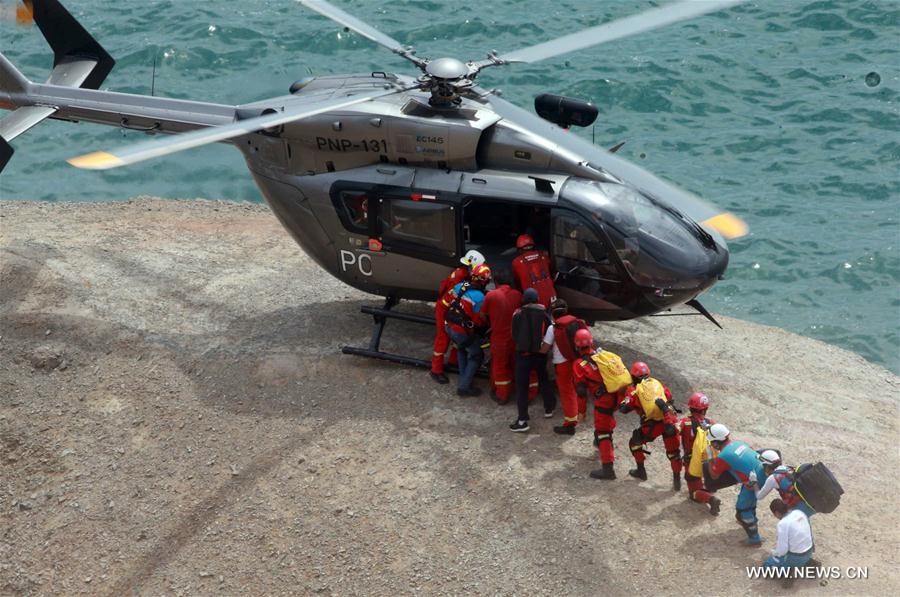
{"type": "Point", "coordinates": [657, 418]}
{"type": "Point", "coordinates": [698, 404]}
{"type": "Point", "coordinates": [531, 269]}
{"type": "Point", "coordinates": [498, 308]}
{"type": "Point", "coordinates": [441, 339]}
{"type": "Point", "coordinates": [589, 382]}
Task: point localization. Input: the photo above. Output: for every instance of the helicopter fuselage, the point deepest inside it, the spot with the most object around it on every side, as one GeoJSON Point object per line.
{"type": "Point", "coordinates": [388, 194]}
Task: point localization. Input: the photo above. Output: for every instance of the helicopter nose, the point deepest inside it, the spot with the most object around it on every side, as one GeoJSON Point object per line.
{"type": "Point", "coordinates": [715, 262]}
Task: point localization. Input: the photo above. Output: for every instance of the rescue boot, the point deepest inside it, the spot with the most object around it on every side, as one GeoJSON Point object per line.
{"type": "Point", "coordinates": [473, 391]}
{"type": "Point", "coordinates": [439, 377]}
{"type": "Point", "coordinates": [607, 472]}
{"type": "Point", "coordinates": [676, 481]}
{"type": "Point", "coordinates": [714, 505]}
{"type": "Point", "coordinates": [564, 429]}
{"type": "Point", "coordinates": [639, 473]}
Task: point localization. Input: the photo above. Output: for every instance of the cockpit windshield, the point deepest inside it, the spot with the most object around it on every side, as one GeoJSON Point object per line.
{"type": "Point", "coordinates": [657, 246]}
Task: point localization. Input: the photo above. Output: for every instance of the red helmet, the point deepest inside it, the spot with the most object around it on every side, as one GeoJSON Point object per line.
{"type": "Point", "coordinates": [698, 401]}
{"type": "Point", "coordinates": [640, 369]}
{"type": "Point", "coordinates": [524, 241]}
{"type": "Point", "coordinates": [583, 339]}
{"type": "Point", "coordinates": [481, 273]}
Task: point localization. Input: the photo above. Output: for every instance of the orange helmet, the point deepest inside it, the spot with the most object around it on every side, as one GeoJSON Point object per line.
{"type": "Point", "coordinates": [698, 401]}
{"type": "Point", "coordinates": [640, 369]}
{"type": "Point", "coordinates": [481, 273]}
{"type": "Point", "coordinates": [583, 339]}
{"type": "Point", "coordinates": [524, 241]}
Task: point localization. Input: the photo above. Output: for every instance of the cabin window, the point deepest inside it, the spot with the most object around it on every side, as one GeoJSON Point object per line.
{"type": "Point", "coordinates": [418, 224]}
{"type": "Point", "coordinates": [354, 206]}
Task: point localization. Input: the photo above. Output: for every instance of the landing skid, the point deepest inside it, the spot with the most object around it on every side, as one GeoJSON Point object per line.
{"type": "Point", "coordinates": [381, 315]}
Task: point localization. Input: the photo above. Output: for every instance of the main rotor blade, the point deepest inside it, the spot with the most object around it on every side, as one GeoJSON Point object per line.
{"type": "Point", "coordinates": [639, 23]}
{"type": "Point", "coordinates": [103, 160]}
{"type": "Point", "coordinates": [326, 9]}
{"type": "Point", "coordinates": [726, 224]}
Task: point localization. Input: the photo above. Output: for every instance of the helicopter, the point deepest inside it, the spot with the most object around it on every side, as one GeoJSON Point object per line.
{"type": "Point", "coordinates": [387, 179]}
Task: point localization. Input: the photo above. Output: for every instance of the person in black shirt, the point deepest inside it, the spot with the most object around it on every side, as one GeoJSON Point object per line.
{"type": "Point", "coordinates": [529, 324]}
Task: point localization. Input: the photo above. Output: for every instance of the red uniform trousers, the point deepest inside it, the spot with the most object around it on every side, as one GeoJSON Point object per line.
{"type": "Point", "coordinates": [696, 490]}
{"type": "Point", "coordinates": [649, 431]}
{"type": "Point", "coordinates": [503, 361]}
{"type": "Point", "coordinates": [441, 341]}
{"type": "Point", "coordinates": [604, 425]}
{"type": "Point", "coordinates": [565, 383]}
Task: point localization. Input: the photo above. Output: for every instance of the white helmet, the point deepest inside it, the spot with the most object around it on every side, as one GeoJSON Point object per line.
{"type": "Point", "coordinates": [718, 433]}
{"type": "Point", "coordinates": [770, 457]}
{"type": "Point", "coordinates": [473, 258]}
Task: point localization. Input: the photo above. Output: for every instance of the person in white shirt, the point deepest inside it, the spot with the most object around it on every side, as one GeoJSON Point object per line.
{"type": "Point", "coordinates": [564, 354]}
{"type": "Point", "coordinates": [794, 544]}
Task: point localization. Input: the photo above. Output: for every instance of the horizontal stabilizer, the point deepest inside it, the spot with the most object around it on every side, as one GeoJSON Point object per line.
{"type": "Point", "coordinates": [22, 119]}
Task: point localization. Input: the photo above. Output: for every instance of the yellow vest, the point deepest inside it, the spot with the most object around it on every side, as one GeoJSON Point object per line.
{"type": "Point", "coordinates": [648, 391]}
{"type": "Point", "coordinates": [615, 374]}
{"type": "Point", "coordinates": [701, 451]}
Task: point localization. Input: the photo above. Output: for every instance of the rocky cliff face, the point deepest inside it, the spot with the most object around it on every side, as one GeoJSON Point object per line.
{"type": "Point", "coordinates": [176, 417]}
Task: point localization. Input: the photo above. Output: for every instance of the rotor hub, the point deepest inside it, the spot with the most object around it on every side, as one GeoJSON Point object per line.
{"type": "Point", "coordinates": [447, 68]}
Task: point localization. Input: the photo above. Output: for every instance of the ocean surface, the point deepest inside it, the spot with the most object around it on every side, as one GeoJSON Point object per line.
{"type": "Point", "coordinates": [784, 112]}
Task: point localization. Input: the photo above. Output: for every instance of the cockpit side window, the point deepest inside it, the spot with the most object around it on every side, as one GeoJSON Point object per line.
{"type": "Point", "coordinates": [429, 226]}
{"type": "Point", "coordinates": [581, 256]}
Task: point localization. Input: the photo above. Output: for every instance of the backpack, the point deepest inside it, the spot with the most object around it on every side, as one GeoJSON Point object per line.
{"type": "Point", "coordinates": [817, 486]}
{"type": "Point", "coordinates": [648, 392]}
{"type": "Point", "coordinates": [455, 313]}
{"type": "Point", "coordinates": [564, 330]}
{"type": "Point", "coordinates": [615, 374]}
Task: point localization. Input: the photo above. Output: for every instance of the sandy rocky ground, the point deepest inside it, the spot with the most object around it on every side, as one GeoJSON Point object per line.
{"type": "Point", "coordinates": [176, 418]}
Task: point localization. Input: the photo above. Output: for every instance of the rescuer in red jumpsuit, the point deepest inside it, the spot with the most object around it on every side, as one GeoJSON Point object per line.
{"type": "Point", "coordinates": [441, 339]}
{"type": "Point", "coordinates": [589, 381]}
{"type": "Point", "coordinates": [498, 308]}
{"type": "Point", "coordinates": [698, 404]}
{"type": "Point", "coordinates": [531, 269]}
{"type": "Point", "coordinates": [661, 422]}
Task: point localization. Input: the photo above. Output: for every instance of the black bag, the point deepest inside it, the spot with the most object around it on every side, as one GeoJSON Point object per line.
{"type": "Point", "coordinates": [726, 479]}
{"type": "Point", "coordinates": [817, 486]}
{"type": "Point", "coordinates": [529, 324]}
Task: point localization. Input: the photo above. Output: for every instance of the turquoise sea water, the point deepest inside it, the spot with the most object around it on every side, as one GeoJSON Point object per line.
{"type": "Point", "coordinates": [763, 109]}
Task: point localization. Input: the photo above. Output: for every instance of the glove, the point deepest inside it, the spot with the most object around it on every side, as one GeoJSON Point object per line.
{"type": "Point", "coordinates": [625, 408]}
{"type": "Point", "coordinates": [751, 478]}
